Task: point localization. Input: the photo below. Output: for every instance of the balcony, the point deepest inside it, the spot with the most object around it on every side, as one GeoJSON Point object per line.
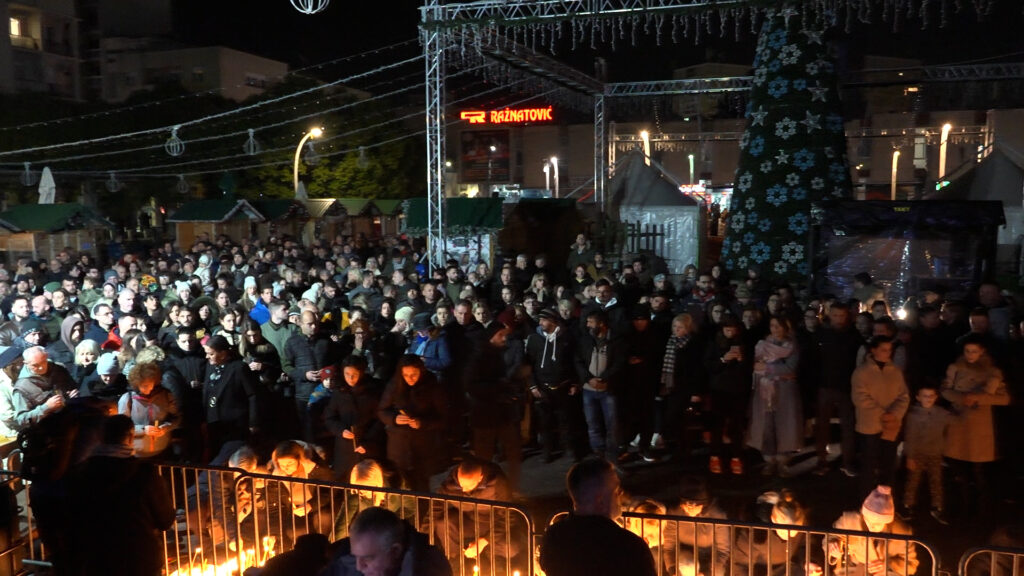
{"type": "Point", "coordinates": [25, 42]}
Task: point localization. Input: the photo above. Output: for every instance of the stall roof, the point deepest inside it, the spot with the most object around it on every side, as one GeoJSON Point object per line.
{"type": "Point", "coordinates": [219, 210]}
{"type": "Point", "coordinates": [320, 207]}
{"type": "Point", "coordinates": [354, 206]}
{"type": "Point", "coordinates": [462, 215]}
{"type": "Point", "coordinates": [999, 176]}
{"type": "Point", "coordinates": [51, 217]}
{"type": "Point", "coordinates": [388, 206]}
{"type": "Point", "coordinates": [280, 208]}
{"type": "Point", "coordinates": [639, 185]}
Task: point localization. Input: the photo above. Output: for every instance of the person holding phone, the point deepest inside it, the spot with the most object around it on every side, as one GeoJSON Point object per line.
{"type": "Point", "coordinates": [730, 368]}
{"type": "Point", "coordinates": [307, 353]}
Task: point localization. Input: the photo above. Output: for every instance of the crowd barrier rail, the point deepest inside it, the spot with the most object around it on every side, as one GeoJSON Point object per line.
{"type": "Point", "coordinates": [229, 520]}
{"type": "Point", "coordinates": [686, 546]}
{"type": "Point", "coordinates": [992, 561]}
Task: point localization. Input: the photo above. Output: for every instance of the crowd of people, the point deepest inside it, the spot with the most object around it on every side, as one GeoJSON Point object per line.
{"type": "Point", "coordinates": [328, 356]}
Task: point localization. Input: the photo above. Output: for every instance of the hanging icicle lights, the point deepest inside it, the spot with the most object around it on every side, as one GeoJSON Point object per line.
{"type": "Point", "coordinates": [542, 24]}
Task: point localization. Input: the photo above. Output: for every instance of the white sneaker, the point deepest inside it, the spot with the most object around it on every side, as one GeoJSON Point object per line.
{"type": "Point", "coordinates": [636, 442]}
{"type": "Point", "coordinates": [657, 442]}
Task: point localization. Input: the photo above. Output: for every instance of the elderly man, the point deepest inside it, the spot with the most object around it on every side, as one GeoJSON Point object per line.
{"type": "Point", "coordinates": [382, 544]}
{"type": "Point", "coordinates": [42, 391]}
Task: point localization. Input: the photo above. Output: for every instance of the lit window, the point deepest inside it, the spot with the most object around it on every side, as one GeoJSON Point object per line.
{"type": "Point", "coordinates": [15, 27]}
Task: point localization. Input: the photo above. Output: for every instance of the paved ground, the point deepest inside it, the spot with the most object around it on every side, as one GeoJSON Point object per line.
{"type": "Point", "coordinates": [544, 494]}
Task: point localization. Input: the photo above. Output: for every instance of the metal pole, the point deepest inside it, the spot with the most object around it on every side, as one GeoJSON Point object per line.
{"type": "Point", "coordinates": [434, 45]}
{"type": "Point", "coordinates": [600, 151]}
{"type": "Point", "coordinates": [298, 151]}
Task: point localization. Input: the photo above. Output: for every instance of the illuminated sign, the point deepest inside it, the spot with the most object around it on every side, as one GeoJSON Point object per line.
{"type": "Point", "coordinates": [508, 115]}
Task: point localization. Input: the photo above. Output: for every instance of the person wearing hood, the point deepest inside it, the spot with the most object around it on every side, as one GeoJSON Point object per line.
{"type": "Point", "coordinates": [313, 294]}
{"type": "Point", "coordinates": [549, 352]}
{"type": "Point", "coordinates": [430, 343]}
{"type": "Point", "coordinates": [203, 270]}
{"type": "Point", "coordinates": [107, 382]}
{"type": "Point", "coordinates": [857, 556]}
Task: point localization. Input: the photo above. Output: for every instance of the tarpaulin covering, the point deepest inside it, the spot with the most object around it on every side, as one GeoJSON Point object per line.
{"type": "Point", "coordinates": [905, 246]}
{"type": "Point", "coordinates": [682, 231]}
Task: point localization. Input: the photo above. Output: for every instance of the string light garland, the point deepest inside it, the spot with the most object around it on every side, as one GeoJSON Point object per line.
{"type": "Point", "coordinates": [310, 7]}
{"type": "Point", "coordinates": [213, 91]}
{"type": "Point", "coordinates": [251, 146]}
{"type": "Point", "coordinates": [294, 119]}
{"type": "Point", "coordinates": [140, 172]}
{"type": "Point", "coordinates": [207, 118]}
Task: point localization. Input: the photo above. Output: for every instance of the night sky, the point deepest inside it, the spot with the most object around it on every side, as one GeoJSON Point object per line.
{"type": "Point", "coordinates": [277, 30]}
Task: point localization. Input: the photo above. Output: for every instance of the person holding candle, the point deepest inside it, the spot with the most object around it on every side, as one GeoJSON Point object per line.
{"type": "Point", "coordinates": [152, 409]}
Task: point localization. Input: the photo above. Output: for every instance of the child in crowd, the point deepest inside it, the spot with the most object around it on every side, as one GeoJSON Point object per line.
{"type": "Point", "coordinates": [923, 443]}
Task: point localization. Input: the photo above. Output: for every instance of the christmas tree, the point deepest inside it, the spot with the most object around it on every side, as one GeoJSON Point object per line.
{"type": "Point", "coordinates": [793, 151]}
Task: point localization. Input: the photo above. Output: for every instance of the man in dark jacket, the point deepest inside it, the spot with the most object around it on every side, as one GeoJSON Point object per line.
{"type": "Point", "coordinates": [496, 387]}
{"type": "Point", "coordinates": [588, 541]}
{"type": "Point", "coordinates": [549, 352]}
{"type": "Point", "coordinates": [382, 544]}
{"type": "Point", "coordinates": [600, 367]}
{"type": "Point", "coordinates": [306, 353]}
{"type": "Point", "coordinates": [837, 345]}
{"type": "Point", "coordinates": [129, 498]}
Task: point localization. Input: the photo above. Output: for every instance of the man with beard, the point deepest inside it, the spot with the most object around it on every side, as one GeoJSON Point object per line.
{"type": "Point", "coordinates": [600, 367]}
{"type": "Point", "coordinates": [549, 352]}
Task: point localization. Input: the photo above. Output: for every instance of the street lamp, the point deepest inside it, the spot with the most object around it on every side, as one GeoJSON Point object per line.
{"type": "Point", "coordinates": [645, 138]}
{"type": "Point", "coordinates": [942, 149]}
{"type": "Point", "coordinates": [547, 175]}
{"type": "Point", "coordinates": [314, 133]}
{"type": "Point", "coordinates": [554, 166]}
{"type": "Point", "coordinates": [490, 161]}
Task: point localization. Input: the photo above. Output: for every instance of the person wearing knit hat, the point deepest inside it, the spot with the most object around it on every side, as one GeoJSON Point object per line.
{"type": "Point", "coordinates": [852, 556]}
{"type": "Point", "coordinates": [107, 382]}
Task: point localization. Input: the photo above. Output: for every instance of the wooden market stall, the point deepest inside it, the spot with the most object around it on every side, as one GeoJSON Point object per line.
{"type": "Point", "coordinates": [391, 215]}
{"type": "Point", "coordinates": [282, 217]}
{"type": "Point", "coordinates": [236, 219]}
{"type": "Point", "coordinates": [41, 231]}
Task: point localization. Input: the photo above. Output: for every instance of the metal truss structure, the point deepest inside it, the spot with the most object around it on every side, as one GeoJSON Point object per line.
{"type": "Point", "coordinates": [433, 46]}
{"type": "Point", "coordinates": [480, 29]}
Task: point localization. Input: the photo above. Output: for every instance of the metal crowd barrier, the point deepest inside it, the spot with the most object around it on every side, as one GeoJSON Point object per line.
{"type": "Point", "coordinates": [992, 561]}
{"type": "Point", "coordinates": [229, 521]}
{"type": "Point", "coordinates": [685, 546]}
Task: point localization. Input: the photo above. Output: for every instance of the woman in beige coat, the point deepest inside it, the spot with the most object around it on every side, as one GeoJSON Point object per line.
{"type": "Point", "coordinates": [973, 385]}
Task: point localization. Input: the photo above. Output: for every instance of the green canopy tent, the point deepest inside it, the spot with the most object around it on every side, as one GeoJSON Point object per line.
{"type": "Point", "coordinates": [470, 225]}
